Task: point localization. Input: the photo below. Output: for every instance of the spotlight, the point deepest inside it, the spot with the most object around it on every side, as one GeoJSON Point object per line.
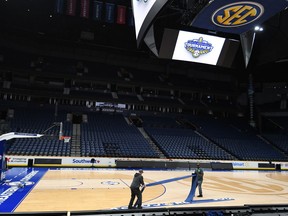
{"type": "Point", "coordinates": [258, 28]}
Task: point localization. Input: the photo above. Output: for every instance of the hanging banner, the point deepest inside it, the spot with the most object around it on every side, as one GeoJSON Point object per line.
{"type": "Point", "coordinates": [85, 7]}
{"type": "Point", "coordinates": [121, 14]}
{"type": "Point", "coordinates": [97, 10]}
{"type": "Point", "coordinates": [237, 17]}
{"type": "Point", "coordinates": [130, 20]}
{"type": "Point", "coordinates": [59, 6]}
{"type": "Point", "coordinates": [71, 7]}
{"type": "Point", "coordinates": [110, 13]}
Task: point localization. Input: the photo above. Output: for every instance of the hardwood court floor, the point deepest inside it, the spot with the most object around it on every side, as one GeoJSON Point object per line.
{"type": "Point", "coordinates": [101, 189]}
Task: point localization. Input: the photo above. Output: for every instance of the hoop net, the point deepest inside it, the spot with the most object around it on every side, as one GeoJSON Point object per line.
{"type": "Point", "coordinates": [66, 139]}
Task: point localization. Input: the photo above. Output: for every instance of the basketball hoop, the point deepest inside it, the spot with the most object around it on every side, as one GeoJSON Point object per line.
{"type": "Point", "coordinates": [66, 139]}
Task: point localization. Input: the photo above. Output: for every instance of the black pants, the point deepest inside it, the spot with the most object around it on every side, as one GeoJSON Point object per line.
{"type": "Point", "coordinates": [135, 192]}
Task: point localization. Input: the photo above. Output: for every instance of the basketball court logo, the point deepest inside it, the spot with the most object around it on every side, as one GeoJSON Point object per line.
{"type": "Point", "coordinates": [110, 183]}
{"type": "Point", "coordinates": [19, 183]}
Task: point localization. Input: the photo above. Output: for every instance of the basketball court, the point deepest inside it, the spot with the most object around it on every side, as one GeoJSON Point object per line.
{"type": "Point", "coordinates": [64, 189]}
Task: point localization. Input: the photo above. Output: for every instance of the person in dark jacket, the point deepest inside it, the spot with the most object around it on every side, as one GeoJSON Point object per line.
{"type": "Point", "coordinates": [199, 174]}
{"type": "Point", "coordinates": [137, 182]}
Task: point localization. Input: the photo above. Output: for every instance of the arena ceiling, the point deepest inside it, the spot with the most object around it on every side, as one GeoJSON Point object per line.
{"type": "Point", "coordinates": [38, 22]}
